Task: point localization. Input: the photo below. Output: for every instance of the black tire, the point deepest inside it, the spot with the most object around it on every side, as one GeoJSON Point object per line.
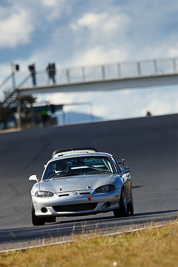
{"type": "Point", "coordinates": [37, 220]}
{"type": "Point", "coordinates": [50, 219]}
{"type": "Point", "coordinates": [122, 211]}
{"type": "Point", "coordinates": [130, 207]}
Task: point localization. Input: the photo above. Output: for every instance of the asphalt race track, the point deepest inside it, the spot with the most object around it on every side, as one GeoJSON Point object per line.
{"type": "Point", "coordinates": [149, 146]}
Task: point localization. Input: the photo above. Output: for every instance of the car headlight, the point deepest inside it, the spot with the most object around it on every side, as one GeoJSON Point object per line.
{"type": "Point", "coordinates": [106, 188]}
{"type": "Point", "coordinates": [44, 194]}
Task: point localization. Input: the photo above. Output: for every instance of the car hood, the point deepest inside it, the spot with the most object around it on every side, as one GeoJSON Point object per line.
{"type": "Point", "coordinates": [76, 183]}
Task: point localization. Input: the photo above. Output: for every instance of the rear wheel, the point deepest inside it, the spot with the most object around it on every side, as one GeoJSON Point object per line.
{"type": "Point", "coordinates": [122, 211]}
{"type": "Point", "coordinates": [130, 206]}
{"type": "Point", "coordinates": [37, 220]}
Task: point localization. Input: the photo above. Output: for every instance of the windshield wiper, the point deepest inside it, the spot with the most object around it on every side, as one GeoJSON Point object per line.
{"type": "Point", "coordinates": [99, 172]}
{"type": "Point", "coordinates": [66, 175]}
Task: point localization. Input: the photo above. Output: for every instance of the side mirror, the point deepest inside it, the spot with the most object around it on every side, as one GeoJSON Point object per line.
{"type": "Point", "coordinates": [121, 162]}
{"type": "Point", "coordinates": [33, 178]}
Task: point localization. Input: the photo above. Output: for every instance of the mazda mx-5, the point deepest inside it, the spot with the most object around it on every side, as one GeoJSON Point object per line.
{"type": "Point", "coordinates": [81, 182]}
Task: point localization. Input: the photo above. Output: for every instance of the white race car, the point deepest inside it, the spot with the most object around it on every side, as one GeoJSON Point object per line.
{"type": "Point", "coordinates": [81, 182]}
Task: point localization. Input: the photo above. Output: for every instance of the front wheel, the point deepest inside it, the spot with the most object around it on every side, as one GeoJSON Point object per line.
{"type": "Point", "coordinates": [35, 219]}
{"type": "Point", "coordinates": [122, 211]}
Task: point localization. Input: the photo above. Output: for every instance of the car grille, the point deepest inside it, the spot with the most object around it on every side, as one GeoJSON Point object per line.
{"type": "Point", "coordinates": [76, 207]}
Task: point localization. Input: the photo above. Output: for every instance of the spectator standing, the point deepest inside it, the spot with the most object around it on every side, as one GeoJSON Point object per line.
{"type": "Point", "coordinates": [51, 69]}
{"type": "Point", "coordinates": [33, 73]}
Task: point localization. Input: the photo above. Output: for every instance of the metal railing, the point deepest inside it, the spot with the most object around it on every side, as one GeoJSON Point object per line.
{"type": "Point", "coordinates": [93, 73]}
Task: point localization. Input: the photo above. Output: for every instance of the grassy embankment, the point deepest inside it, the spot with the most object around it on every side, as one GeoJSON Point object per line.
{"type": "Point", "coordinates": [152, 247]}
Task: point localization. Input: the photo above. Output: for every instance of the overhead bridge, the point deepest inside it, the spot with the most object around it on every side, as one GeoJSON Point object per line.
{"type": "Point", "coordinates": [114, 76]}
{"type": "Point", "coordinates": [114, 84]}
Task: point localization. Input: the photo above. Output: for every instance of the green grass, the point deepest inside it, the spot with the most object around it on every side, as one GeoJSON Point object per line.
{"type": "Point", "coordinates": [151, 247]}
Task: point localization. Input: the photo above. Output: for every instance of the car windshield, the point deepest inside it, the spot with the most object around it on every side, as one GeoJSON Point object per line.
{"type": "Point", "coordinates": [78, 166]}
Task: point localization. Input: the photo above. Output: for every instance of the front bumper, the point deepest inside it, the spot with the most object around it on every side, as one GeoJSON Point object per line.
{"type": "Point", "coordinates": [70, 204]}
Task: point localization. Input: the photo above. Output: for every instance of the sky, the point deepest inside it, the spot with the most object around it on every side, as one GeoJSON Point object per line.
{"type": "Point", "coordinates": [74, 33]}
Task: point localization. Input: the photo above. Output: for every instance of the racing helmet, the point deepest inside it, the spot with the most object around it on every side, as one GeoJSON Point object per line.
{"type": "Point", "coordinates": [61, 166]}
